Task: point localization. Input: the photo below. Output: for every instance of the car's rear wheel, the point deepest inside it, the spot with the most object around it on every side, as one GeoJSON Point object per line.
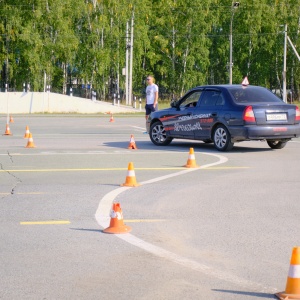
{"type": "Point", "coordinates": [158, 135]}
{"type": "Point", "coordinates": [276, 144]}
{"type": "Point", "coordinates": [222, 138]}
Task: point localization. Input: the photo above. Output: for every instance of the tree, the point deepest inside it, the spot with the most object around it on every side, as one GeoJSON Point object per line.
{"type": "Point", "coordinates": [182, 43]}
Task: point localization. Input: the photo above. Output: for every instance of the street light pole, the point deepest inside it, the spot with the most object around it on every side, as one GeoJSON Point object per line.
{"type": "Point", "coordinates": [127, 63]}
{"type": "Point", "coordinates": [131, 61]}
{"type": "Point", "coordinates": [234, 6]}
{"type": "Point", "coordinates": [230, 54]}
{"type": "Point", "coordinates": [284, 65]}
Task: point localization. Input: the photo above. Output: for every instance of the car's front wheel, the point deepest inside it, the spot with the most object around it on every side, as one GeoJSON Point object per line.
{"type": "Point", "coordinates": [158, 135]}
{"type": "Point", "coordinates": [222, 138]}
{"type": "Point", "coordinates": [276, 144]}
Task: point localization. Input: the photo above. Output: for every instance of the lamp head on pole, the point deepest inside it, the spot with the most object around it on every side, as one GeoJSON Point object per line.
{"type": "Point", "coordinates": [235, 4]}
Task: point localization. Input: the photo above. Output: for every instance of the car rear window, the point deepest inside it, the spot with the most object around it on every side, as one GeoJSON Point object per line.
{"type": "Point", "coordinates": [243, 95]}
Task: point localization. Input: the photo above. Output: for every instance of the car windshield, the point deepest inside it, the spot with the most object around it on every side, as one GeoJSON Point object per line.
{"type": "Point", "coordinates": [253, 95]}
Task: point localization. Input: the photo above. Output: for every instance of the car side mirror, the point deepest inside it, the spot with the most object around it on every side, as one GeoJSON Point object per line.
{"type": "Point", "coordinates": [173, 103]}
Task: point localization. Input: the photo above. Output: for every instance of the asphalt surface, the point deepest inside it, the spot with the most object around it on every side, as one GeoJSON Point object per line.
{"type": "Point", "coordinates": [223, 231]}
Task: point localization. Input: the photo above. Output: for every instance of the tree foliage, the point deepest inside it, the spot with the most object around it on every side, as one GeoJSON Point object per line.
{"type": "Point", "coordinates": [183, 43]}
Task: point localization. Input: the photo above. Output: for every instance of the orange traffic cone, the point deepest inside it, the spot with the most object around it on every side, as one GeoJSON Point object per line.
{"type": "Point", "coordinates": [191, 162]}
{"type": "Point", "coordinates": [117, 225]}
{"type": "Point", "coordinates": [292, 290]}
{"type": "Point", "coordinates": [27, 132]}
{"type": "Point", "coordinates": [11, 120]}
{"type": "Point", "coordinates": [30, 143]}
{"type": "Point", "coordinates": [7, 130]}
{"type": "Point", "coordinates": [111, 118]}
{"type": "Point", "coordinates": [130, 178]}
{"type": "Point", "coordinates": [132, 144]}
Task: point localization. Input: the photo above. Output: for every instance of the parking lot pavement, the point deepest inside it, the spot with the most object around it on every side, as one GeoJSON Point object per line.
{"type": "Point", "coordinates": [222, 232]}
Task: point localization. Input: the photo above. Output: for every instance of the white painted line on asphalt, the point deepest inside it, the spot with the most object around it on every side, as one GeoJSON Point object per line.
{"type": "Point", "coordinates": [145, 221]}
{"type": "Point", "coordinates": [52, 222]}
{"type": "Point", "coordinates": [138, 130]}
{"type": "Point", "coordinates": [103, 219]}
{"type": "Point", "coordinates": [137, 127]}
{"type": "Point", "coordinates": [124, 151]}
{"type": "Point", "coordinates": [193, 265]}
{"type": "Point", "coordinates": [130, 173]}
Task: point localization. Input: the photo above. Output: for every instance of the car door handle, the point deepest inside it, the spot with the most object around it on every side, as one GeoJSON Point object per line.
{"type": "Point", "coordinates": [214, 114]}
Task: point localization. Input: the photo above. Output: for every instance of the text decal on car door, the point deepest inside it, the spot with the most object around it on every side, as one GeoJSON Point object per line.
{"type": "Point", "coordinates": [192, 117]}
{"type": "Point", "coordinates": [187, 127]}
{"type": "Point", "coordinates": [191, 127]}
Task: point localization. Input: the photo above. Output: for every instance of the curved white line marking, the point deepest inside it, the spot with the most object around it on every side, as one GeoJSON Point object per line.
{"type": "Point", "coordinates": [103, 219]}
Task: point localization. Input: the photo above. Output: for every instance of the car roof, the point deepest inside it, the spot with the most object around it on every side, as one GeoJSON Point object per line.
{"type": "Point", "coordinates": [227, 86]}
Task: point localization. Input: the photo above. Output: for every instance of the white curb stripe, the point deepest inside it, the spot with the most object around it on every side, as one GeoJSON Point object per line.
{"type": "Point", "coordinates": [102, 218]}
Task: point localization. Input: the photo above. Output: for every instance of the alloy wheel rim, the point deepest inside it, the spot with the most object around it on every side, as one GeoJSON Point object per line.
{"type": "Point", "coordinates": [220, 137]}
{"type": "Point", "coordinates": [159, 134]}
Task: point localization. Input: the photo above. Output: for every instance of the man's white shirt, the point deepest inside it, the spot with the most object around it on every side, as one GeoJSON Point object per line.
{"type": "Point", "coordinates": [150, 93]}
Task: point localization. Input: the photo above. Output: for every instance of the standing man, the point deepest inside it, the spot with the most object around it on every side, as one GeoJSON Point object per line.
{"type": "Point", "coordinates": [151, 96]}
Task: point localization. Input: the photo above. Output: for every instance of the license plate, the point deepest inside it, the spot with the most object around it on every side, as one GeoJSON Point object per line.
{"type": "Point", "coordinates": [276, 117]}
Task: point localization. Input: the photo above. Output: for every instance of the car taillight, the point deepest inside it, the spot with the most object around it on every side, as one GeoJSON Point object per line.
{"type": "Point", "coordinates": [297, 116]}
{"type": "Point", "coordinates": [249, 114]}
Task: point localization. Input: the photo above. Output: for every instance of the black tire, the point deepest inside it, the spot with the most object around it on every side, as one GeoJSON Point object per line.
{"type": "Point", "coordinates": [222, 138]}
{"type": "Point", "coordinates": [276, 144]}
{"type": "Point", "coordinates": [158, 135]}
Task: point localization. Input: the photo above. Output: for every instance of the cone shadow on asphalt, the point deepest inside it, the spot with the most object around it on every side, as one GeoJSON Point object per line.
{"type": "Point", "coordinates": [253, 294]}
{"type": "Point", "coordinates": [175, 145]}
{"type": "Point", "coordinates": [111, 184]}
{"type": "Point", "coordinates": [86, 229]}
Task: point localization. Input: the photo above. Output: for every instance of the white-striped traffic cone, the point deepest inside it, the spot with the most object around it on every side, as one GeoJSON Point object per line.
{"type": "Point", "coordinates": [130, 178]}
{"type": "Point", "coordinates": [292, 290]}
{"type": "Point", "coordinates": [191, 162]}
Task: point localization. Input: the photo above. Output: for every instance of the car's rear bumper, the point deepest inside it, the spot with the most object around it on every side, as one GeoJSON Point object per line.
{"type": "Point", "coordinates": [256, 132]}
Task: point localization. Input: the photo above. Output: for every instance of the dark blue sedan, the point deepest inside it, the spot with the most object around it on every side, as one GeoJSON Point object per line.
{"type": "Point", "coordinates": [224, 115]}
